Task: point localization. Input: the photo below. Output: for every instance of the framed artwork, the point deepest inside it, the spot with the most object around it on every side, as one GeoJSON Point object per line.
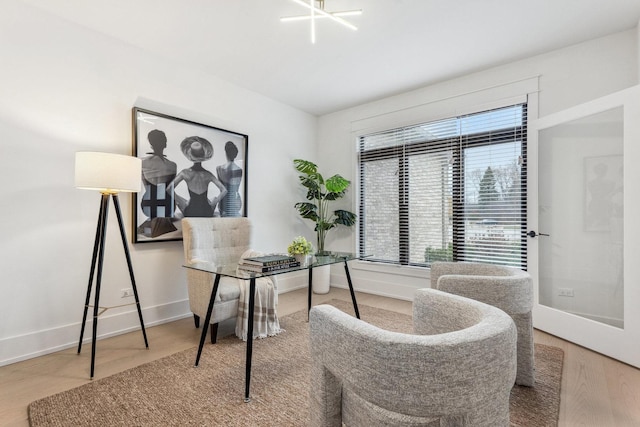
{"type": "Point", "coordinates": [603, 180]}
{"type": "Point", "coordinates": [188, 170]}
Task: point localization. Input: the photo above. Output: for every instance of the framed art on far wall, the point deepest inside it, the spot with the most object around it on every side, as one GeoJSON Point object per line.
{"type": "Point", "coordinates": [188, 170]}
{"type": "Point", "coordinates": [604, 192]}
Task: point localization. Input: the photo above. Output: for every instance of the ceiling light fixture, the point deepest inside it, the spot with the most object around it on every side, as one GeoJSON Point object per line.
{"type": "Point", "coordinates": [318, 12]}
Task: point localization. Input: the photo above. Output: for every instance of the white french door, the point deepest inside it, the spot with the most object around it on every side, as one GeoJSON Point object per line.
{"type": "Point", "coordinates": [584, 210]}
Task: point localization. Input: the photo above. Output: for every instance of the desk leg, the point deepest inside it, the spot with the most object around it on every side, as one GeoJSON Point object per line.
{"type": "Point", "coordinates": [310, 292]}
{"type": "Point", "coordinates": [353, 295]}
{"type": "Point", "coordinates": [252, 297]}
{"type": "Point", "coordinates": [207, 319]}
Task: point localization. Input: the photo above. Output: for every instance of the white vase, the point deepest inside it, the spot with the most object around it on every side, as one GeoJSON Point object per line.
{"type": "Point", "coordinates": [302, 259]}
{"type": "Point", "coordinates": [321, 278]}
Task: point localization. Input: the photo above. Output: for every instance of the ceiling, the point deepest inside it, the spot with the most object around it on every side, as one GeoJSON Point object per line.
{"type": "Point", "coordinates": [400, 45]}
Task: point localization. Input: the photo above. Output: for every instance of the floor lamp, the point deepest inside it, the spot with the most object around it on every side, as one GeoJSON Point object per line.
{"type": "Point", "coordinates": [109, 174]}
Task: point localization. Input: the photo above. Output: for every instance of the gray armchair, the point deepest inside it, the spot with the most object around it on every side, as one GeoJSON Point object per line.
{"type": "Point", "coordinates": [457, 370]}
{"type": "Point", "coordinates": [509, 289]}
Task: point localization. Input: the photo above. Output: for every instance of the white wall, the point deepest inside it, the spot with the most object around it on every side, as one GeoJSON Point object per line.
{"type": "Point", "coordinates": [566, 77]}
{"type": "Point", "coordinates": [64, 89]}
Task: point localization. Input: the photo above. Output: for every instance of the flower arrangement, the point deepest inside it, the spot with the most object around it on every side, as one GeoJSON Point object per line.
{"type": "Point", "coordinates": [300, 246]}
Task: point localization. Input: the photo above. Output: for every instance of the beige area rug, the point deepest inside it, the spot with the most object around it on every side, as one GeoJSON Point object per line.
{"type": "Point", "coordinates": [170, 391]}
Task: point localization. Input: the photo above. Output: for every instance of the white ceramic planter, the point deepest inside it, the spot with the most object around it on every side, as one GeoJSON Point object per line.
{"type": "Point", "coordinates": [302, 259]}
{"type": "Point", "coordinates": [321, 278]}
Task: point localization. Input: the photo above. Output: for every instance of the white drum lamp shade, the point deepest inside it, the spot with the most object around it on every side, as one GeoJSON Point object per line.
{"type": "Point", "coordinates": [108, 172]}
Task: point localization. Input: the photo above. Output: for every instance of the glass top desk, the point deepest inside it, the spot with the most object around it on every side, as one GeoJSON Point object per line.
{"type": "Point", "coordinates": [234, 271]}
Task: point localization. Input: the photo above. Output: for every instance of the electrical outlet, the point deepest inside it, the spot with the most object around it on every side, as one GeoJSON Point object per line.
{"type": "Point", "coordinates": [128, 292]}
{"type": "Point", "coordinates": [565, 292]}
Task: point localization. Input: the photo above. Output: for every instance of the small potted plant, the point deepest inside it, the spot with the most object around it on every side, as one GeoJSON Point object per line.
{"type": "Point", "coordinates": [300, 248]}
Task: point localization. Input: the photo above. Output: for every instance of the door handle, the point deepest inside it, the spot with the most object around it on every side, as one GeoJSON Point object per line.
{"type": "Point", "coordinates": [534, 234]}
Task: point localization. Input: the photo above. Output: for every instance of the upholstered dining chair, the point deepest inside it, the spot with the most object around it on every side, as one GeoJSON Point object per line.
{"type": "Point", "coordinates": [457, 369]}
{"type": "Point", "coordinates": [507, 288]}
{"type": "Point", "coordinates": [219, 241]}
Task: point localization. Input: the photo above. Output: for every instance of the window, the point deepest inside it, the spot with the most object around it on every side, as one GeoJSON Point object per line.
{"type": "Point", "coordinates": [449, 190]}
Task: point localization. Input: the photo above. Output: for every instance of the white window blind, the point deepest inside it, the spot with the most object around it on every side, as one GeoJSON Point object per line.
{"type": "Point", "coordinates": [453, 189]}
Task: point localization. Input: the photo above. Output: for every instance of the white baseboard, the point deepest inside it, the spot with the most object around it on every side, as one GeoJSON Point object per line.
{"type": "Point", "coordinates": [292, 281]}
{"type": "Point", "coordinates": [397, 290]}
{"type": "Point", "coordinates": [375, 285]}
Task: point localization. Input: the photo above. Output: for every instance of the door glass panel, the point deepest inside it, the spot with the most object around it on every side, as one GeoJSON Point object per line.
{"type": "Point", "coordinates": [581, 208]}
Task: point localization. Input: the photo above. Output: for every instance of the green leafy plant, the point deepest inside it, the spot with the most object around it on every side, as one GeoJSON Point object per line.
{"type": "Point", "coordinates": [320, 193]}
{"type": "Point", "coordinates": [300, 246]}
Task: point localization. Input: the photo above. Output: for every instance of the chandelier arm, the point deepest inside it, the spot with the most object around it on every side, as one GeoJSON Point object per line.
{"type": "Point", "coordinates": [325, 14]}
{"type": "Point", "coordinates": [354, 12]}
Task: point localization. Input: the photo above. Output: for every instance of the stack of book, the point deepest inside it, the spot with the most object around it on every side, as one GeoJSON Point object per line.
{"type": "Point", "coordinates": [268, 263]}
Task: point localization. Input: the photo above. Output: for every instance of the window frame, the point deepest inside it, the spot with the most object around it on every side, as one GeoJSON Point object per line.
{"type": "Point", "coordinates": [403, 152]}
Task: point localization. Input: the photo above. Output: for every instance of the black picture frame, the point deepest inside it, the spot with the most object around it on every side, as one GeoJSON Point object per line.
{"type": "Point", "coordinates": [180, 158]}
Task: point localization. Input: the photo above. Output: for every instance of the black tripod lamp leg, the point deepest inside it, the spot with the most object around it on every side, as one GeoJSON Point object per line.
{"type": "Point", "coordinates": [103, 235]}
{"type": "Point", "coordinates": [116, 202]}
{"type": "Point", "coordinates": [93, 268]}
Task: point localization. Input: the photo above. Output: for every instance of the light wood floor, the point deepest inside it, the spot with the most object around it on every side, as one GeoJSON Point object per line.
{"type": "Point", "coordinates": [596, 390]}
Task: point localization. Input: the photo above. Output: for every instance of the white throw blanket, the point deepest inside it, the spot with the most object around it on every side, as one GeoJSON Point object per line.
{"type": "Point", "coordinates": [265, 318]}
